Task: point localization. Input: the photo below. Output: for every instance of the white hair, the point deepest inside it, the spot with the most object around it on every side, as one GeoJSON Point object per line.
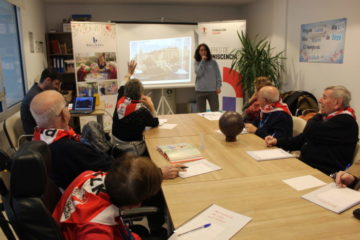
{"type": "Point", "coordinates": [43, 119]}
{"type": "Point", "coordinates": [341, 92]}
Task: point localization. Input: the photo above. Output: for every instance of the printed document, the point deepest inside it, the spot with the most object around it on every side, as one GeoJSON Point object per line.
{"type": "Point", "coordinates": [334, 198]}
{"type": "Point", "coordinates": [224, 224]}
{"type": "Point", "coordinates": [211, 115]}
{"type": "Point", "coordinates": [269, 154]}
{"type": "Point", "coordinates": [198, 167]}
{"type": "Point", "coordinates": [168, 126]}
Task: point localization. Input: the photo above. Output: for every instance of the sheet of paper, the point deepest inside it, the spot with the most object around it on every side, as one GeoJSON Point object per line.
{"type": "Point", "coordinates": [304, 182]}
{"type": "Point", "coordinates": [168, 126]}
{"type": "Point", "coordinates": [269, 154]}
{"type": "Point", "coordinates": [198, 167]}
{"type": "Point", "coordinates": [334, 198]}
{"type": "Point", "coordinates": [224, 224]}
{"type": "Point", "coordinates": [162, 121]}
{"type": "Point", "coordinates": [211, 115]}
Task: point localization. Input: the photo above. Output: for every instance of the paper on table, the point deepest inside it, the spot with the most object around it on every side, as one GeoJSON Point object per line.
{"type": "Point", "coordinates": [224, 224]}
{"type": "Point", "coordinates": [269, 154]}
{"type": "Point", "coordinates": [211, 115]}
{"type": "Point", "coordinates": [198, 167]}
{"type": "Point", "coordinates": [334, 198]}
{"type": "Point", "coordinates": [304, 182]}
{"type": "Point", "coordinates": [162, 121]}
{"type": "Point", "coordinates": [168, 126]}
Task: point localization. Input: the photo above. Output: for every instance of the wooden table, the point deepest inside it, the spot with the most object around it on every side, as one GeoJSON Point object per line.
{"type": "Point", "coordinates": [98, 113]}
{"type": "Point", "coordinates": [277, 210]}
{"type": "Point", "coordinates": [246, 186]}
{"type": "Point", "coordinates": [187, 125]}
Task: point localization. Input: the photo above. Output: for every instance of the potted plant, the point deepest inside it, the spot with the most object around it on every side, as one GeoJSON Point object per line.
{"type": "Point", "coordinates": [255, 59]}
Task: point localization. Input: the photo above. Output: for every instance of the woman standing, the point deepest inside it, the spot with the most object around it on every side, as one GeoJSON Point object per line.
{"type": "Point", "coordinates": [208, 79]}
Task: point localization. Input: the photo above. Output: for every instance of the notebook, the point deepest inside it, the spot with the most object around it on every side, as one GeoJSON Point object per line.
{"type": "Point", "coordinates": [269, 154]}
{"type": "Point", "coordinates": [180, 152]}
{"type": "Point", "coordinates": [83, 105]}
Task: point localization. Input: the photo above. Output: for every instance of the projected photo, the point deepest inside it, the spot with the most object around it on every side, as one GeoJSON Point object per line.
{"type": "Point", "coordinates": [96, 66]}
{"type": "Point", "coordinates": [162, 60]}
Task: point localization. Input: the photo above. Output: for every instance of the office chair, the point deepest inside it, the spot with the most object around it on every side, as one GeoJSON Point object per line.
{"type": "Point", "coordinates": [14, 131]}
{"type": "Point", "coordinates": [298, 125]}
{"type": "Point", "coordinates": [29, 201]}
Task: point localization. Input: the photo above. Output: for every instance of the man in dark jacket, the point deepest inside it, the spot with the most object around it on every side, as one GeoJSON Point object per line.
{"type": "Point", "coordinates": [48, 81]}
{"type": "Point", "coordinates": [329, 139]}
{"type": "Point", "coordinates": [275, 116]}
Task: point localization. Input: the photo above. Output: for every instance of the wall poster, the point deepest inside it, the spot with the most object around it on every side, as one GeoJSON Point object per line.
{"type": "Point", "coordinates": [323, 42]}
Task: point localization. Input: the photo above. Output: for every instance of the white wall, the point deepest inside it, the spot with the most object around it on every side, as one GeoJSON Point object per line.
{"type": "Point", "coordinates": [138, 12]}
{"type": "Point", "coordinates": [32, 19]}
{"type": "Point", "coordinates": [315, 77]}
{"type": "Point", "coordinates": [280, 20]}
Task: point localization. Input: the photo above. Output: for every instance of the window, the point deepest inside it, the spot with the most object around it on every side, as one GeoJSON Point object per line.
{"type": "Point", "coordinates": [12, 87]}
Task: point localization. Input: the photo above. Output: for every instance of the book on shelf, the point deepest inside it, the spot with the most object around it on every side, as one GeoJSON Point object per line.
{"type": "Point", "coordinates": [180, 152]}
{"type": "Point", "coordinates": [55, 46]}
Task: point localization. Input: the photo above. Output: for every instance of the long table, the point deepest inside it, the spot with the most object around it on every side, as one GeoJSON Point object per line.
{"type": "Point", "coordinates": [246, 186]}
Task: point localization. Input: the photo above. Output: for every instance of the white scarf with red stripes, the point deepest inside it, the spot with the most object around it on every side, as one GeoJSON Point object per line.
{"type": "Point", "coordinates": [125, 106]}
{"type": "Point", "coordinates": [347, 110]}
{"type": "Point", "coordinates": [275, 107]}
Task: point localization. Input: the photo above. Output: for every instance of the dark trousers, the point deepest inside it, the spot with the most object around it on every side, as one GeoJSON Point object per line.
{"type": "Point", "coordinates": [213, 99]}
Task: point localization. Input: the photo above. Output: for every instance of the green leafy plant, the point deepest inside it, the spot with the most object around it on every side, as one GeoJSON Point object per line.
{"type": "Point", "coordinates": [255, 59]}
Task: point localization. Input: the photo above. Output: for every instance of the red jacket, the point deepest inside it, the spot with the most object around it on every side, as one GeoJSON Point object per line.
{"type": "Point", "coordinates": [85, 211]}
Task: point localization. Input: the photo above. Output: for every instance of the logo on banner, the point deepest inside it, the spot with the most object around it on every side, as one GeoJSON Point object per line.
{"type": "Point", "coordinates": [94, 43]}
{"type": "Point", "coordinates": [218, 31]}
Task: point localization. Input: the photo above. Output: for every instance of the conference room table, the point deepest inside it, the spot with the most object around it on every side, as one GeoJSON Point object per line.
{"type": "Point", "coordinates": [246, 186]}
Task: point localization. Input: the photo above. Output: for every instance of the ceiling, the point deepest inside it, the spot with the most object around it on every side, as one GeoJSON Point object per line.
{"type": "Point", "coordinates": [177, 2]}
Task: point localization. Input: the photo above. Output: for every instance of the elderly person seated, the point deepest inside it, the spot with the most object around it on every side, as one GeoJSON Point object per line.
{"type": "Point", "coordinates": [252, 109]}
{"type": "Point", "coordinates": [134, 112]}
{"type": "Point", "coordinates": [91, 206]}
{"type": "Point", "coordinates": [275, 117]}
{"type": "Point", "coordinates": [329, 138]}
{"type": "Point", "coordinates": [70, 157]}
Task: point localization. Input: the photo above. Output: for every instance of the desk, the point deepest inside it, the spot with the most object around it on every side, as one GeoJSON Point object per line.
{"type": "Point", "coordinates": [98, 112]}
{"type": "Point", "coordinates": [248, 187]}
{"type": "Point", "coordinates": [277, 211]}
{"type": "Point", "coordinates": [187, 125]}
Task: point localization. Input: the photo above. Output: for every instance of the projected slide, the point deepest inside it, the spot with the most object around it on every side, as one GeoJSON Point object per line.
{"type": "Point", "coordinates": [162, 61]}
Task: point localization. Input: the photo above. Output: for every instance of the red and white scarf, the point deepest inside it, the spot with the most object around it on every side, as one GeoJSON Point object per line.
{"type": "Point", "coordinates": [50, 135]}
{"type": "Point", "coordinates": [275, 107]}
{"type": "Point", "coordinates": [347, 110]}
{"type": "Point", "coordinates": [125, 106]}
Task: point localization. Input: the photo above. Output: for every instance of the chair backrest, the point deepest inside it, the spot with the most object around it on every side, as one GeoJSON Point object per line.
{"type": "Point", "coordinates": [298, 125]}
{"type": "Point", "coordinates": [300, 102]}
{"type": "Point", "coordinates": [29, 215]}
{"type": "Point", "coordinates": [14, 130]}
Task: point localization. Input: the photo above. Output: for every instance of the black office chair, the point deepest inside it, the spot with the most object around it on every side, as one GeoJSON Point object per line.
{"type": "Point", "coordinates": [32, 196]}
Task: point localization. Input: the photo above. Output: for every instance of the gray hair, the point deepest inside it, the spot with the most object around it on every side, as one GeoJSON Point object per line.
{"type": "Point", "coordinates": [134, 89]}
{"type": "Point", "coordinates": [43, 119]}
{"type": "Point", "coordinates": [341, 92]}
{"type": "Point", "coordinates": [270, 94]}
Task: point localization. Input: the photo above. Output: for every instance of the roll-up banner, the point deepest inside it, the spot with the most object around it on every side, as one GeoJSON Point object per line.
{"type": "Point", "coordinates": [222, 38]}
{"type": "Point", "coordinates": [94, 46]}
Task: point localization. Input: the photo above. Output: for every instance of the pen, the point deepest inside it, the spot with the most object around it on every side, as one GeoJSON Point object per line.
{"type": "Point", "coordinates": [333, 175]}
{"type": "Point", "coordinates": [198, 228]}
{"type": "Point", "coordinates": [184, 167]}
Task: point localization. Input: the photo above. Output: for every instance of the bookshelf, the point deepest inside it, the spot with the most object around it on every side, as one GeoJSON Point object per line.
{"type": "Point", "coordinates": [60, 56]}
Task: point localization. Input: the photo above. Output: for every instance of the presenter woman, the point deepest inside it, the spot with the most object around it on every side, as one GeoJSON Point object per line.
{"type": "Point", "coordinates": [208, 79]}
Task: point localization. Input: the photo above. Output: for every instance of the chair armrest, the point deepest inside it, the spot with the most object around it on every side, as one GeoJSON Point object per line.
{"type": "Point", "coordinates": [139, 212]}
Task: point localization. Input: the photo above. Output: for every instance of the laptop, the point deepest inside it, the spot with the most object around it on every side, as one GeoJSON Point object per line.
{"type": "Point", "coordinates": [83, 105]}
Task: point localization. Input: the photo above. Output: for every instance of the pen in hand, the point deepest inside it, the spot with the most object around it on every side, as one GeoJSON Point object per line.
{"type": "Point", "coordinates": [195, 229]}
